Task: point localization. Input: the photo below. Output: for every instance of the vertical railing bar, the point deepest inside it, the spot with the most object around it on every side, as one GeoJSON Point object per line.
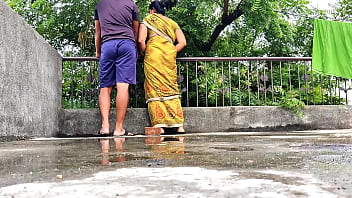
{"type": "Point", "coordinates": [216, 86]}
{"type": "Point", "coordinates": [289, 76]}
{"type": "Point", "coordinates": [338, 81]}
{"type": "Point", "coordinates": [239, 80]}
{"type": "Point", "coordinates": [306, 82]}
{"type": "Point", "coordinates": [321, 88]}
{"type": "Point", "coordinates": [280, 75]}
{"type": "Point", "coordinates": [230, 83]}
{"type": "Point", "coordinates": [134, 87]}
{"type": "Point", "coordinates": [222, 82]}
{"type": "Point", "coordinates": [90, 77]}
{"type": "Point", "coordinates": [248, 87]}
{"type": "Point", "coordinates": [72, 82]}
{"type": "Point", "coordinates": [299, 81]}
{"type": "Point", "coordinates": [272, 81]}
{"type": "Point", "coordinates": [135, 96]}
{"type": "Point", "coordinates": [197, 84]}
{"type": "Point", "coordinates": [206, 84]}
{"type": "Point", "coordinates": [346, 91]}
{"type": "Point", "coordinates": [258, 83]}
{"type": "Point", "coordinates": [187, 84]}
{"type": "Point", "coordinates": [97, 83]}
{"type": "Point", "coordinates": [335, 89]}
{"type": "Point", "coordinates": [82, 81]}
{"type": "Point", "coordinates": [313, 79]}
{"type": "Point", "coordinates": [330, 86]}
{"type": "Point", "coordinates": [264, 85]}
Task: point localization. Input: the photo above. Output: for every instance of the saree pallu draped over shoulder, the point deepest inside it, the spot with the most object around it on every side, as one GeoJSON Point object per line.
{"type": "Point", "coordinates": [161, 88]}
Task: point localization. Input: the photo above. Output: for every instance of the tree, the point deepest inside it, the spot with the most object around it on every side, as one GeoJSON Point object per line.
{"type": "Point", "coordinates": [343, 10]}
{"type": "Point", "coordinates": [65, 24]}
{"type": "Point", "coordinates": [254, 26]}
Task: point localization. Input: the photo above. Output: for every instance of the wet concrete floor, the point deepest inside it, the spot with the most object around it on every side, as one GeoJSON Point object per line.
{"type": "Point", "coordinates": [241, 164]}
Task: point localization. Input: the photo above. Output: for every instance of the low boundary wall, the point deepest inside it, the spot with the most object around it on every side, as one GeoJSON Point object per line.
{"type": "Point", "coordinates": [85, 122]}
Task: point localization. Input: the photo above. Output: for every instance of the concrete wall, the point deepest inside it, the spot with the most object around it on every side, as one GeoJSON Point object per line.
{"type": "Point", "coordinates": [30, 79]}
{"type": "Point", "coordinates": [221, 119]}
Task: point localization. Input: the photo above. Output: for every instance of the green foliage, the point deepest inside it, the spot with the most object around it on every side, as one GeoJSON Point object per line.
{"type": "Point", "coordinates": [343, 11]}
{"type": "Point", "coordinates": [80, 84]}
{"type": "Point", "coordinates": [286, 84]}
{"type": "Point", "coordinates": [291, 103]}
{"type": "Point", "coordinates": [264, 28]}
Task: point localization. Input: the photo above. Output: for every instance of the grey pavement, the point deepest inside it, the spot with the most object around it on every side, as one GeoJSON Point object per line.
{"type": "Point", "coordinates": [238, 164]}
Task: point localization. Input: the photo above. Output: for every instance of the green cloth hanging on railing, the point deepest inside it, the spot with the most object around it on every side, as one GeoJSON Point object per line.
{"type": "Point", "coordinates": [332, 48]}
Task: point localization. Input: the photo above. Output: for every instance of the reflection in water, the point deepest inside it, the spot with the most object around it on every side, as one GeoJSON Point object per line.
{"type": "Point", "coordinates": [105, 147]}
{"type": "Point", "coordinates": [166, 145]}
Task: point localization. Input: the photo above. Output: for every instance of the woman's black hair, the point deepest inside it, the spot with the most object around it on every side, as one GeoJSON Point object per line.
{"type": "Point", "coordinates": [160, 6]}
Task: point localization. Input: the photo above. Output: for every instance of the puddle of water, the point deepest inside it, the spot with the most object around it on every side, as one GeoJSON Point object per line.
{"type": "Point", "coordinates": [245, 156]}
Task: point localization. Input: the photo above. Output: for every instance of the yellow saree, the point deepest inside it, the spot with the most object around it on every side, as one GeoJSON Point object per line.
{"type": "Point", "coordinates": [161, 88]}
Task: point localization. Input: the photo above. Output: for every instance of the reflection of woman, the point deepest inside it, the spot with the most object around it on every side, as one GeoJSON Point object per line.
{"type": "Point", "coordinates": [166, 145]}
{"type": "Point", "coordinates": [161, 89]}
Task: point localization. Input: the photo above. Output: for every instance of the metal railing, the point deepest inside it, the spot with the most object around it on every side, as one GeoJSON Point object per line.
{"type": "Point", "coordinates": [218, 81]}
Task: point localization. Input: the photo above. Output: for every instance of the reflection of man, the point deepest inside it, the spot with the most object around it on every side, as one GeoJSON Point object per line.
{"type": "Point", "coordinates": [116, 30]}
{"type": "Point", "coordinates": [105, 147]}
{"type": "Point", "coordinates": [166, 145]}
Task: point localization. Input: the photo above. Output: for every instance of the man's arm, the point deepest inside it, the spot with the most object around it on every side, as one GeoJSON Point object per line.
{"type": "Point", "coordinates": [97, 39]}
{"type": "Point", "coordinates": [142, 37]}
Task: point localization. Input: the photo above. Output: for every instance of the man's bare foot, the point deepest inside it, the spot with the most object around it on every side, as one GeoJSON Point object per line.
{"type": "Point", "coordinates": [119, 144]}
{"type": "Point", "coordinates": [104, 132]}
{"type": "Point", "coordinates": [122, 132]}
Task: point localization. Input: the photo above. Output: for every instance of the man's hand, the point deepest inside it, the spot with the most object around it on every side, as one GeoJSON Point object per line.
{"type": "Point", "coordinates": [97, 54]}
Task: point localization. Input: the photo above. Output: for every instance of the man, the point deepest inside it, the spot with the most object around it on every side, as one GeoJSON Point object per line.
{"type": "Point", "coordinates": [116, 25]}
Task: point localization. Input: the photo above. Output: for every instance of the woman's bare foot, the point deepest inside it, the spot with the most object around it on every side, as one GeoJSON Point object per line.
{"type": "Point", "coordinates": [180, 130]}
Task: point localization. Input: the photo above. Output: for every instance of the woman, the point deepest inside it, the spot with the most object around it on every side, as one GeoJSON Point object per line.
{"type": "Point", "coordinates": [161, 89]}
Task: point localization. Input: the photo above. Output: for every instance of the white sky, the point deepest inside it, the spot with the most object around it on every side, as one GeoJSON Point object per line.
{"type": "Point", "coordinates": [322, 4]}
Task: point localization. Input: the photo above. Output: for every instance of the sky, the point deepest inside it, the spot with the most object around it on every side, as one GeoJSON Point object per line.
{"type": "Point", "coordinates": [322, 4]}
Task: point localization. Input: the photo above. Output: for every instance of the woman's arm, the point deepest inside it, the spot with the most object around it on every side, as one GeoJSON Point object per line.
{"type": "Point", "coordinates": [97, 39]}
{"type": "Point", "coordinates": [181, 40]}
{"type": "Point", "coordinates": [142, 37]}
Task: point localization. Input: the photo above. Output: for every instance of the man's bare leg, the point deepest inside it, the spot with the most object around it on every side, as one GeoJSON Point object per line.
{"type": "Point", "coordinates": [121, 107]}
{"type": "Point", "coordinates": [104, 106]}
{"type": "Point", "coordinates": [105, 147]}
